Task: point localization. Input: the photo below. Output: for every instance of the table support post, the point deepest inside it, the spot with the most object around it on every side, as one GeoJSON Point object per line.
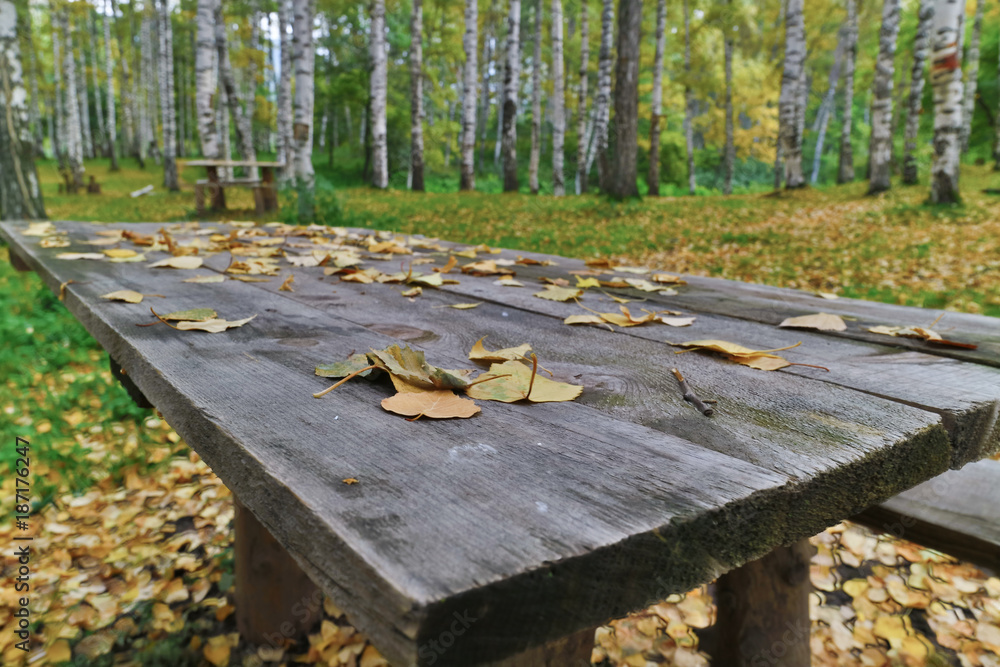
{"type": "Point", "coordinates": [215, 189]}
{"type": "Point", "coordinates": [275, 601]}
{"type": "Point", "coordinates": [133, 391]}
{"type": "Point", "coordinates": [763, 614]}
{"type": "Point", "coordinates": [18, 262]}
{"type": "Point", "coordinates": [571, 651]}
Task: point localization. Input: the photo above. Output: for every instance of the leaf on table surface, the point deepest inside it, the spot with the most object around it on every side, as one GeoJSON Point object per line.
{"type": "Point", "coordinates": [251, 267]}
{"type": "Point", "coordinates": [480, 353]}
{"type": "Point", "coordinates": [436, 404]}
{"type": "Point", "coordinates": [584, 283]}
{"type": "Point", "coordinates": [182, 262]}
{"type": "Point", "coordinates": [614, 282]}
{"type": "Point", "coordinates": [364, 277]}
{"type": "Point", "coordinates": [214, 325]}
{"type": "Point", "coordinates": [627, 319]}
{"type": "Point", "coordinates": [482, 247]}
{"type": "Point", "coordinates": [584, 319]}
{"type": "Point", "coordinates": [120, 253]}
{"type": "Point", "coordinates": [507, 281]}
{"type": "Point", "coordinates": [250, 279]}
{"type": "Point", "coordinates": [214, 278]}
{"type": "Point", "coordinates": [677, 321]}
{"type": "Point", "coordinates": [486, 267]}
{"type": "Point", "coordinates": [820, 321]}
{"type": "Point", "coordinates": [427, 280]}
{"type": "Point", "coordinates": [759, 359]}
{"type": "Point", "coordinates": [131, 258]}
{"type": "Point", "coordinates": [668, 279]}
{"type": "Point", "coordinates": [410, 365]}
{"type": "Point", "coordinates": [528, 261]}
{"type": "Point", "coordinates": [391, 247]}
{"type": "Point", "coordinates": [670, 291]}
{"type": "Point", "coordinates": [468, 253]}
{"type": "Point", "coordinates": [413, 291]}
{"type": "Point", "coordinates": [356, 363]}
{"type": "Point", "coordinates": [643, 285]}
{"type": "Point", "coordinates": [558, 282]}
{"type": "Point", "coordinates": [516, 385]}
{"type": "Point", "coordinates": [192, 315]}
{"type": "Point", "coordinates": [127, 295]}
{"type": "Point", "coordinates": [631, 269]}
{"type": "Point", "coordinates": [921, 333]}
{"type": "Point", "coordinates": [302, 261]}
{"type": "Point", "coordinates": [43, 228]}
{"type": "Point", "coordinates": [287, 285]}
{"type": "Point", "coordinates": [464, 306]}
{"type": "Point", "coordinates": [54, 242]}
{"type": "Point", "coordinates": [598, 263]}
{"type": "Point", "coordinates": [81, 255]}
{"type": "Point", "coordinates": [827, 295]}
{"type": "Point", "coordinates": [350, 481]}
{"type": "Point", "coordinates": [553, 293]}
{"type": "Point", "coordinates": [451, 264]}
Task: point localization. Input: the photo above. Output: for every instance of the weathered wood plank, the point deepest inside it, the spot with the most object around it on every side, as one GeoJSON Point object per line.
{"type": "Point", "coordinates": [509, 518]}
{"type": "Point", "coordinates": [955, 512]}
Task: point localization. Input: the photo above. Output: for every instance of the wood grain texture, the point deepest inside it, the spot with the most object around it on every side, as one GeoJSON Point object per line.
{"type": "Point", "coordinates": [535, 521]}
{"type": "Point", "coordinates": [955, 512]}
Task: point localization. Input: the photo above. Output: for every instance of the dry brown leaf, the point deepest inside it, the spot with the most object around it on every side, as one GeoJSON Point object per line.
{"type": "Point", "coordinates": [928, 335]}
{"type": "Point", "coordinates": [127, 295]}
{"type": "Point", "coordinates": [437, 404]}
{"type": "Point", "coordinates": [820, 321]}
{"type": "Point", "coordinates": [759, 359]}
{"type": "Point", "coordinates": [508, 282]}
{"type": "Point", "coordinates": [182, 262]}
{"type": "Point", "coordinates": [413, 291]}
{"type": "Point", "coordinates": [584, 283]}
{"type": "Point", "coordinates": [677, 321]}
{"type": "Point", "coordinates": [213, 325]}
{"type": "Point", "coordinates": [583, 319]}
{"type": "Point", "coordinates": [464, 306]}
{"type": "Point", "coordinates": [215, 278]}
{"type": "Point", "coordinates": [559, 293]}
{"type": "Point", "coordinates": [81, 255]}
{"type": "Point", "coordinates": [668, 279]}
{"type": "Point", "coordinates": [515, 382]}
{"type": "Point", "coordinates": [451, 264]}
{"type": "Point", "coordinates": [120, 253]}
{"type": "Point", "coordinates": [480, 353]}
{"type": "Point", "coordinates": [486, 267]}
{"type": "Point", "coordinates": [287, 285]}
{"type": "Point", "coordinates": [217, 650]}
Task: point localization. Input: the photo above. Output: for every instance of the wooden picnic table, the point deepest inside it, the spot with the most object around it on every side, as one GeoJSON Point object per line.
{"type": "Point", "coordinates": [504, 539]}
{"type": "Point", "coordinates": [264, 188]}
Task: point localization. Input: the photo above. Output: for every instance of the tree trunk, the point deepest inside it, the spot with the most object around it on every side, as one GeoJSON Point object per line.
{"type": "Point", "coordinates": [845, 167]}
{"type": "Point", "coordinates": [996, 141]}
{"type": "Point", "coordinates": [558, 101]}
{"type": "Point", "coordinates": [167, 111]}
{"type": "Point", "coordinates": [511, 81]}
{"type": "Point", "coordinates": [95, 73]}
{"type": "Point", "coordinates": [484, 114]}
{"type": "Point", "coordinates": [603, 102]}
{"type": "Point", "coordinates": [240, 120]}
{"type": "Point", "coordinates": [788, 105]}
{"type": "Point", "coordinates": [378, 82]}
{"type": "Point", "coordinates": [826, 106]}
{"type": "Point", "coordinates": [468, 173]}
{"type": "Point", "coordinates": [497, 145]}
{"type": "Point", "coordinates": [880, 146]}
{"type": "Point", "coordinates": [972, 77]}
{"type": "Point", "coordinates": [416, 97]}
{"type": "Point", "coordinates": [627, 100]}
{"type": "Point", "coordinates": [946, 78]}
{"type": "Point", "coordinates": [581, 106]}
{"type": "Point", "coordinates": [151, 85]}
{"type": "Point", "coordinates": [688, 101]}
{"type": "Point", "coordinates": [59, 144]}
{"type": "Point", "coordinates": [20, 192]}
{"type": "Point", "coordinates": [205, 81]}
{"type": "Point", "coordinates": [284, 112]}
{"type": "Point", "coordinates": [83, 98]}
{"type": "Point", "coordinates": [74, 139]}
{"type": "Point", "coordinates": [729, 159]}
{"type": "Point", "coordinates": [112, 131]}
{"type": "Point", "coordinates": [34, 116]}
{"type": "Point", "coordinates": [653, 177]}
{"type": "Point", "coordinates": [921, 49]}
{"type": "Point", "coordinates": [536, 105]}
{"type": "Point", "coordinates": [303, 56]}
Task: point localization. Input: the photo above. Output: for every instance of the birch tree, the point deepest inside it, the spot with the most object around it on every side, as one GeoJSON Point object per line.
{"type": "Point", "coordinates": [112, 131]}
{"type": "Point", "coordinates": [946, 79]}
{"type": "Point", "coordinates": [241, 121]}
{"type": "Point", "coordinates": [788, 103]}
{"type": "Point", "coordinates": [845, 165]}
{"type": "Point", "coordinates": [972, 76]}
{"type": "Point", "coordinates": [921, 49]}
{"type": "Point", "coordinates": [826, 106]}
{"type": "Point", "coordinates": [416, 97]}
{"type": "Point", "coordinates": [581, 104]}
{"type": "Point", "coordinates": [468, 168]}
{"type": "Point", "coordinates": [284, 111]}
{"type": "Point", "coordinates": [880, 145]}
{"type": "Point", "coordinates": [511, 81]}
{"type": "Point", "coordinates": [602, 105]}
{"type": "Point", "coordinates": [167, 111]}
{"type": "Point", "coordinates": [86, 135]}
{"type": "Point", "coordinates": [58, 104]}
{"type": "Point", "coordinates": [205, 80]}
{"type": "Point", "coordinates": [627, 100]}
{"type": "Point", "coordinates": [101, 135]}
{"type": "Point", "coordinates": [688, 100]}
{"type": "Point", "coordinates": [558, 101]}
{"type": "Point", "coordinates": [20, 192]}
{"type": "Point", "coordinates": [996, 140]}
{"type": "Point", "coordinates": [303, 56]}
{"type": "Point", "coordinates": [536, 104]}
{"type": "Point", "coordinates": [74, 140]}
{"type": "Point", "coordinates": [729, 157]}
{"type": "Point", "coordinates": [378, 85]}
{"type": "Point", "coordinates": [653, 177]}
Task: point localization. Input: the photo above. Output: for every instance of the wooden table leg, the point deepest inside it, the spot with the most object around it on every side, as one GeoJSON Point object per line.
{"type": "Point", "coordinates": [215, 189]}
{"type": "Point", "coordinates": [133, 391]}
{"type": "Point", "coordinates": [199, 199]}
{"type": "Point", "coordinates": [763, 614]}
{"type": "Point", "coordinates": [270, 194]}
{"type": "Point", "coordinates": [572, 651]}
{"type": "Point", "coordinates": [275, 601]}
{"type": "Point", "coordinates": [18, 262]}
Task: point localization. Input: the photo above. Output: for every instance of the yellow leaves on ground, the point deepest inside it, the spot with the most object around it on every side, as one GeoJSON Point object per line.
{"type": "Point", "coordinates": [513, 381]}
{"type": "Point", "coordinates": [480, 353]}
{"type": "Point", "coordinates": [217, 649]}
{"type": "Point", "coordinates": [182, 262]}
{"type": "Point", "coordinates": [437, 404]}
{"type": "Point", "coordinates": [820, 321]}
{"type": "Point", "coordinates": [556, 293]}
{"type": "Point", "coordinates": [127, 295]}
{"type": "Point", "coordinates": [759, 359]}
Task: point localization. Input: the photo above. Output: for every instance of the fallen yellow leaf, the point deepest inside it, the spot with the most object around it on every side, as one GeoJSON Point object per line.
{"type": "Point", "coordinates": [182, 262]}
{"type": "Point", "coordinates": [437, 404]}
{"type": "Point", "coordinates": [127, 295]}
{"type": "Point", "coordinates": [559, 293]}
{"type": "Point", "coordinates": [820, 321]}
{"type": "Point", "coordinates": [480, 353]}
{"type": "Point", "coordinates": [520, 383]}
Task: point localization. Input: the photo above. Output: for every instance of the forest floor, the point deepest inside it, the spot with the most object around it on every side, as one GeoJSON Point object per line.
{"type": "Point", "coordinates": [136, 530]}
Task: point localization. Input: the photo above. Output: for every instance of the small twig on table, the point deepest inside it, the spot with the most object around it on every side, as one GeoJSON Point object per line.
{"type": "Point", "coordinates": [690, 396]}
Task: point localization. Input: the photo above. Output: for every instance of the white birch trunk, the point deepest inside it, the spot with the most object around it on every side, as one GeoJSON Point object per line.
{"type": "Point", "coordinates": [225, 136]}
{"type": "Point", "coordinates": [284, 111]}
{"type": "Point", "coordinates": [558, 101]}
{"type": "Point", "coordinates": [240, 120]}
{"type": "Point", "coordinates": [921, 50]}
{"type": "Point", "coordinates": [946, 78]}
{"type": "Point", "coordinates": [150, 86]}
{"type": "Point", "coordinates": [972, 77]}
{"type": "Point", "coordinates": [484, 114]}
{"type": "Point", "coordinates": [826, 106]}
{"type": "Point", "coordinates": [653, 176]}
{"type": "Point", "coordinates": [112, 130]}
{"type": "Point", "coordinates": [729, 158]}
{"type": "Point", "coordinates": [996, 140]}
{"type": "Point", "coordinates": [880, 146]}
{"type": "Point", "coordinates": [378, 91]}
{"type": "Point", "coordinates": [205, 84]}
{"type": "Point", "coordinates": [101, 134]}
{"type": "Point", "coordinates": [602, 104]}
{"type": "Point", "coordinates": [303, 56]}
{"type": "Point", "coordinates": [536, 102]}
{"type": "Point", "coordinates": [511, 81]}
{"type": "Point", "coordinates": [468, 173]}
{"type": "Point", "coordinates": [82, 98]}
{"type": "Point", "coordinates": [845, 165]}
{"type": "Point", "coordinates": [416, 97]}
{"type": "Point", "coordinates": [167, 111]}
{"type": "Point", "coordinates": [74, 139]}
{"type": "Point", "coordinates": [788, 104]}
{"type": "Point", "coordinates": [20, 193]}
{"type": "Point", "coordinates": [689, 101]}
{"type": "Point", "coordinates": [59, 105]}
{"type": "Point", "coordinates": [581, 101]}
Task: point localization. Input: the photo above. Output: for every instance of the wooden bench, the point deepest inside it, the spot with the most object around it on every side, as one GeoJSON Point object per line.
{"type": "Point", "coordinates": [264, 188]}
{"type": "Point", "coordinates": [506, 538]}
